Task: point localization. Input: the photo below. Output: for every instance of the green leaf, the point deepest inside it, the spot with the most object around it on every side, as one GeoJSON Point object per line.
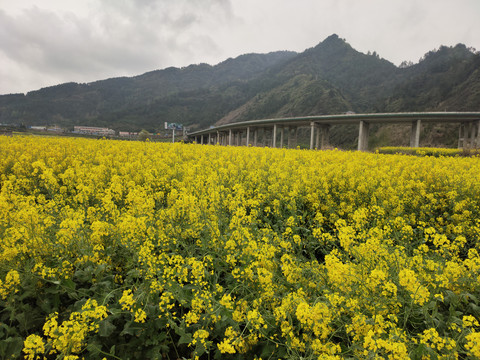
{"type": "Point", "coordinates": [157, 352]}
{"type": "Point", "coordinates": [107, 297]}
{"type": "Point", "coordinates": [268, 351]}
{"type": "Point", "coordinates": [69, 284]}
{"type": "Point", "coordinates": [185, 339]}
{"type": "Point", "coordinates": [83, 275]}
{"type": "Point", "coordinates": [475, 308]}
{"type": "Point", "coordinates": [11, 348]}
{"type": "Point", "coordinates": [133, 273]}
{"type": "Point", "coordinates": [418, 352]}
{"type": "Point", "coordinates": [157, 339]}
{"type": "Point", "coordinates": [94, 349]}
{"type": "Point", "coordinates": [106, 328]}
{"type": "Point", "coordinates": [129, 329]}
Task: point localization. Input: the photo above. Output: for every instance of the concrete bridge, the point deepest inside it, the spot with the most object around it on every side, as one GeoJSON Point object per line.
{"type": "Point", "coordinates": [286, 129]}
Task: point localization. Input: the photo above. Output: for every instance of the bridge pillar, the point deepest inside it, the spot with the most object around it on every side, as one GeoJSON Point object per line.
{"type": "Point", "coordinates": [274, 136]}
{"type": "Point", "coordinates": [474, 134]}
{"type": "Point", "coordinates": [292, 139]}
{"type": "Point", "coordinates": [477, 141]}
{"type": "Point", "coordinates": [255, 136]}
{"type": "Point", "coordinates": [461, 134]}
{"type": "Point", "coordinates": [363, 136]}
{"type": "Point", "coordinates": [465, 135]}
{"type": "Point", "coordinates": [312, 134]}
{"type": "Point", "coordinates": [282, 130]}
{"type": "Point", "coordinates": [248, 136]}
{"type": "Point", "coordinates": [415, 134]}
{"type": "Point", "coordinates": [468, 134]}
{"type": "Point", "coordinates": [230, 137]}
{"type": "Point", "coordinates": [324, 143]}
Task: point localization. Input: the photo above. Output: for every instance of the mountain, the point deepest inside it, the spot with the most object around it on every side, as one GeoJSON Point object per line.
{"type": "Point", "coordinates": [434, 83]}
{"type": "Point", "coordinates": [123, 103]}
{"type": "Point", "coordinates": [329, 78]}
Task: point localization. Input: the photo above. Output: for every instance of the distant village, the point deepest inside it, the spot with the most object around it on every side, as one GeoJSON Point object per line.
{"type": "Point", "coordinates": [7, 129]}
{"type": "Point", "coordinates": [87, 130]}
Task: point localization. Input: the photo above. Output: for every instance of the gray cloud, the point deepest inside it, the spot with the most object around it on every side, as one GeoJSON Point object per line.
{"type": "Point", "coordinates": [54, 41]}
{"type": "Point", "coordinates": [115, 38]}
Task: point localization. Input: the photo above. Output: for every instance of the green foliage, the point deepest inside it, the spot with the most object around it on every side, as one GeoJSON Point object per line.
{"type": "Point", "coordinates": [143, 135]}
{"type": "Point", "coordinates": [302, 94]}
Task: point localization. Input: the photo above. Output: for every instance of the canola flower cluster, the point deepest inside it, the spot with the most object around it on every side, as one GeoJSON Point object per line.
{"type": "Point", "coordinates": [128, 250]}
{"type": "Point", "coordinates": [427, 151]}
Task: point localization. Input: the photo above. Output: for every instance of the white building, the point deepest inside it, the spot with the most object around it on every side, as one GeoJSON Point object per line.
{"type": "Point", "coordinates": [93, 130]}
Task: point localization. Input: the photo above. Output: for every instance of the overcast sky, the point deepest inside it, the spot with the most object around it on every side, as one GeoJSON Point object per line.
{"type": "Point", "coordinates": [47, 42]}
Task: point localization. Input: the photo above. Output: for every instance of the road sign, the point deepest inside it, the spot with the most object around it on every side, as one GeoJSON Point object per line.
{"type": "Point", "coordinates": [173, 126]}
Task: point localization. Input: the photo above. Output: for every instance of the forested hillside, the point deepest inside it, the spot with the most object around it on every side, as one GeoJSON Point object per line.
{"type": "Point", "coordinates": [329, 78]}
{"type": "Point", "coordinates": [143, 101]}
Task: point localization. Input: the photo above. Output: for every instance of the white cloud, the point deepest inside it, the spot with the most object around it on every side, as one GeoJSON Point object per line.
{"type": "Point", "coordinates": [66, 40]}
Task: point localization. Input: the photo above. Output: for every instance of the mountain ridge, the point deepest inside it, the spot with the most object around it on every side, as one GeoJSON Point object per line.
{"type": "Point", "coordinates": [331, 77]}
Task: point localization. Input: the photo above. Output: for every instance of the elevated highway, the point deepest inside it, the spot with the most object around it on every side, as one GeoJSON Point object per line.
{"type": "Point", "coordinates": [286, 129]}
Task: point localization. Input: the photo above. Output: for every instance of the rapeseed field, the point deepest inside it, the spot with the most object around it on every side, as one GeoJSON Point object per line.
{"type": "Point", "coordinates": [139, 250]}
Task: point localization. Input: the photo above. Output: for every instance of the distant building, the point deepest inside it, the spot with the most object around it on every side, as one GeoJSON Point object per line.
{"type": "Point", "coordinates": [55, 129]}
{"type": "Point", "coordinates": [43, 128]}
{"type": "Point", "coordinates": [127, 134]}
{"type": "Point", "coordinates": [93, 130]}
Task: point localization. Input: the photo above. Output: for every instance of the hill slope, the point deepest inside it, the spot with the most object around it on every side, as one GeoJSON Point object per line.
{"type": "Point", "coordinates": [121, 102]}
{"type": "Point", "coordinates": [331, 77]}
